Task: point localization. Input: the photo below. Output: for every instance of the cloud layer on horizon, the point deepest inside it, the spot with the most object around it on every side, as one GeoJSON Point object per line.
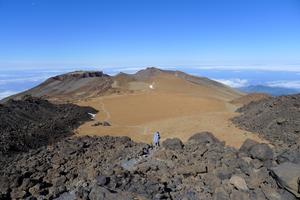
{"type": "Point", "coordinates": [7, 93]}
{"type": "Point", "coordinates": [285, 84]}
{"type": "Point", "coordinates": [234, 82]}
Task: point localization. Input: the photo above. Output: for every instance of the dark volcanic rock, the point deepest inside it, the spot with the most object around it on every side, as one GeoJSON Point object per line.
{"type": "Point", "coordinates": [116, 168]}
{"type": "Point", "coordinates": [247, 145]}
{"type": "Point", "coordinates": [80, 74]}
{"type": "Point", "coordinates": [104, 123]}
{"type": "Point", "coordinates": [289, 156]}
{"type": "Point", "coordinates": [287, 176]}
{"type": "Point", "coordinates": [276, 119]}
{"type": "Point", "coordinates": [172, 144]}
{"type": "Point", "coordinates": [102, 180]}
{"type": "Point", "coordinates": [34, 122]}
{"type": "Point", "coordinates": [262, 152]}
{"type": "Point", "coordinates": [204, 137]}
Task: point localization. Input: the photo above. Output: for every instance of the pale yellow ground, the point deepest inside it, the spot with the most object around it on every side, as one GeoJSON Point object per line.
{"type": "Point", "coordinates": [174, 113]}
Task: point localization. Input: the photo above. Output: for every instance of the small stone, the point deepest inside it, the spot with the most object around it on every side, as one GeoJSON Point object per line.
{"type": "Point", "coordinates": [105, 123]}
{"type": "Point", "coordinates": [102, 180]}
{"type": "Point", "coordinates": [35, 190]}
{"type": "Point", "coordinates": [220, 194]}
{"type": "Point", "coordinates": [238, 195]}
{"type": "Point", "coordinates": [239, 183]}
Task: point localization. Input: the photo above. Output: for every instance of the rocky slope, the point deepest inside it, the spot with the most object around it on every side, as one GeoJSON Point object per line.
{"type": "Point", "coordinates": [34, 122]}
{"type": "Point", "coordinates": [254, 97]}
{"type": "Point", "coordinates": [276, 119]}
{"type": "Point", "coordinates": [118, 168]}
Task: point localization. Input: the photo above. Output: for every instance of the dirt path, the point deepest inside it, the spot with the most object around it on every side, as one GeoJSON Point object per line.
{"type": "Point", "coordinates": [106, 112]}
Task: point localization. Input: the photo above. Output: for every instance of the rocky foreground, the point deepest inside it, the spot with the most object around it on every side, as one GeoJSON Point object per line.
{"type": "Point", "coordinates": [118, 168]}
{"type": "Point", "coordinates": [36, 165]}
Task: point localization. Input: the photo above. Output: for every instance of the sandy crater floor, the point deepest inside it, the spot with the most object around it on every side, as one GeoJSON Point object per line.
{"type": "Point", "coordinates": [172, 114]}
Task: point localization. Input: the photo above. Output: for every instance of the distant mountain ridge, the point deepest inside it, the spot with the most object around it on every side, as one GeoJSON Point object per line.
{"type": "Point", "coordinates": [69, 86]}
{"type": "Point", "coordinates": [80, 85]}
{"type": "Point", "coordinates": [274, 91]}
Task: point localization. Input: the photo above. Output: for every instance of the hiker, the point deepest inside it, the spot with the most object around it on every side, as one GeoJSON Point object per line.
{"type": "Point", "coordinates": [156, 138]}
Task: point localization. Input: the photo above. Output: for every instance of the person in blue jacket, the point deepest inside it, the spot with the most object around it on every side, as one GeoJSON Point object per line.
{"type": "Point", "coordinates": [156, 138]}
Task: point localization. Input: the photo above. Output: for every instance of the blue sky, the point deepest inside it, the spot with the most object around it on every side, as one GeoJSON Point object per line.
{"type": "Point", "coordinates": [231, 34]}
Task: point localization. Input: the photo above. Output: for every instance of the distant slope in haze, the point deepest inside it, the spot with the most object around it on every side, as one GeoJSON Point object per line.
{"type": "Point", "coordinates": [274, 91]}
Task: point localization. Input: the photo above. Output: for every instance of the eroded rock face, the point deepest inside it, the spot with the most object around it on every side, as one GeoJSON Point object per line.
{"type": "Point", "coordinates": [118, 168]}
{"type": "Point", "coordinates": [80, 74]}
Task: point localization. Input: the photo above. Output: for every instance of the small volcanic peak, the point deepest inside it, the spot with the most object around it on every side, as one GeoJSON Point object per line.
{"type": "Point", "coordinates": [148, 73]}
{"type": "Point", "coordinates": [80, 74]}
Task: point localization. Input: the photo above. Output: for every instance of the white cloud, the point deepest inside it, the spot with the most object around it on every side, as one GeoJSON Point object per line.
{"type": "Point", "coordinates": [285, 84]}
{"type": "Point", "coordinates": [6, 94]}
{"type": "Point", "coordinates": [126, 69]}
{"type": "Point", "coordinates": [234, 82]}
{"type": "Point", "coordinates": [286, 68]}
{"type": "Point", "coordinates": [23, 80]}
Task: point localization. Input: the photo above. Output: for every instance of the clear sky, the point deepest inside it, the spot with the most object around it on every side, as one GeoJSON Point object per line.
{"type": "Point", "coordinates": [129, 33]}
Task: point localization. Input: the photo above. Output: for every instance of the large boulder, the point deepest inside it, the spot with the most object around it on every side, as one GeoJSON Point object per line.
{"type": "Point", "coordinates": [287, 176]}
{"type": "Point", "coordinates": [247, 145]}
{"type": "Point", "coordinates": [204, 137]}
{"type": "Point", "coordinates": [172, 144]}
{"type": "Point", "coordinates": [262, 152]}
{"type": "Point", "coordinates": [292, 155]}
